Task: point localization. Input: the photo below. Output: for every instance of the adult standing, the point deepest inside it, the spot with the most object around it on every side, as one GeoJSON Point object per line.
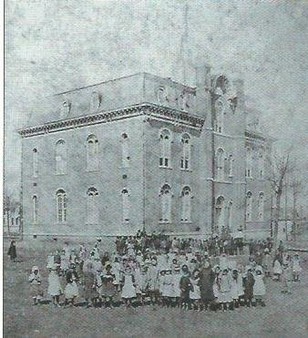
{"type": "Point", "coordinates": [207, 277]}
{"type": "Point", "coordinates": [12, 251]}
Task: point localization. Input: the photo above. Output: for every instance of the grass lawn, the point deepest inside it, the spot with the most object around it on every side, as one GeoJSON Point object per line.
{"type": "Point", "coordinates": [283, 316]}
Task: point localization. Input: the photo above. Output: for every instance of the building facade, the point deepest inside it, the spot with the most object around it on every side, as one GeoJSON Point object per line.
{"type": "Point", "coordinates": [145, 152]}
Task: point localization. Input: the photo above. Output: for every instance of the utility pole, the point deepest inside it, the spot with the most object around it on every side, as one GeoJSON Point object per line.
{"type": "Point", "coordinates": [286, 209]}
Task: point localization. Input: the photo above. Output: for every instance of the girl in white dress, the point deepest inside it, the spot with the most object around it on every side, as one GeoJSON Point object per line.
{"type": "Point", "coordinates": [259, 289]}
{"type": "Point", "coordinates": [168, 288]}
{"type": "Point", "coordinates": [54, 286]}
{"type": "Point", "coordinates": [194, 294]}
{"type": "Point", "coordinates": [277, 269]}
{"type": "Point", "coordinates": [296, 268]}
{"type": "Point", "coordinates": [176, 278]}
{"type": "Point", "coordinates": [224, 283]}
{"type": "Point", "coordinates": [129, 289]}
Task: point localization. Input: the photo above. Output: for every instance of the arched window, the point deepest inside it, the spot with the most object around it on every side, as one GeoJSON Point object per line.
{"type": "Point", "coordinates": [220, 213]}
{"type": "Point", "coordinates": [125, 150]}
{"type": "Point", "coordinates": [65, 109]}
{"type": "Point", "coordinates": [186, 205]}
{"type": "Point", "coordinates": [186, 152]}
{"type": "Point", "coordinates": [125, 205]}
{"type": "Point", "coordinates": [92, 206]}
{"type": "Point", "coordinates": [220, 165]}
{"type": "Point", "coordinates": [248, 162]}
{"type": "Point", "coordinates": [60, 157]}
{"type": "Point", "coordinates": [34, 209]}
{"type": "Point", "coordinates": [61, 206]}
{"type": "Point", "coordinates": [165, 144]}
{"type": "Point", "coordinates": [222, 83]}
{"type": "Point", "coordinates": [261, 164]}
{"type": "Point", "coordinates": [230, 165]}
{"type": "Point", "coordinates": [229, 215]}
{"type": "Point", "coordinates": [248, 206]}
{"type": "Point", "coordinates": [92, 153]}
{"type": "Point", "coordinates": [35, 162]}
{"type": "Point", "coordinates": [161, 95]}
{"type": "Point", "coordinates": [95, 101]}
{"type": "Point", "coordinates": [219, 116]}
{"type": "Point", "coordinates": [261, 207]}
{"type": "Point", "coordinates": [166, 196]}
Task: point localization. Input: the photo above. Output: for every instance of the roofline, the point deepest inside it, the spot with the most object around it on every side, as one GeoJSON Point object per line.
{"type": "Point", "coordinates": [124, 77]}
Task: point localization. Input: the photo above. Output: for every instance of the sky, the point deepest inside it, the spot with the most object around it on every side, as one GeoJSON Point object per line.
{"type": "Point", "coordinates": [53, 46]}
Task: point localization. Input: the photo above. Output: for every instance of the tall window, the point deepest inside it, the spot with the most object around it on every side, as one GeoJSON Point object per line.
{"type": "Point", "coordinates": [248, 162]}
{"type": "Point", "coordinates": [186, 152]}
{"type": "Point", "coordinates": [166, 196]}
{"type": "Point", "coordinates": [92, 153]}
{"type": "Point", "coordinates": [186, 205]}
{"type": "Point", "coordinates": [61, 206]}
{"type": "Point", "coordinates": [60, 157]}
{"type": "Point", "coordinates": [220, 165]}
{"type": "Point", "coordinates": [219, 116]}
{"type": "Point", "coordinates": [95, 101]}
{"type": "Point", "coordinates": [249, 206]}
{"type": "Point", "coordinates": [35, 162]}
{"type": "Point", "coordinates": [261, 207]}
{"type": "Point", "coordinates": [125, 205]}
{"type": "Point", "coordinates": [165, 143]}
{"type": "Point", "coordinates": [229, 215]}
{"type": "Point", "coordinates": [92, 206]}
{"type": "Point", "coordinates": [34, 209]}
{"type": "Point", "coordinates": [125, 150]}
{"type": "Point", "coordinates": [220, 212]}
{"type": "Point", "coordinates": [261, 164]}
{"type": "Point", "coordinates": [230, 165]}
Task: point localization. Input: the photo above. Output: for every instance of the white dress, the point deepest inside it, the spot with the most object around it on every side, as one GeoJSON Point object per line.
{"type": "Point", "coordinates": [168, 287]}
{"type": "Point", "coordinates": [71, 290]}
{"type": "Point", "coordinates": [224, 295]}
{"type": "Point", "coordinates": [176, 278]}
{"type": "Point", "coordinates": [296, 266]}
{"type": "Point", "coordinates": [128, 290]}
{"type": "Point", "coordinates": [277, 267]}
{"type": "Point", "coordinates": [54, 285]}
{"type": "Point", "coordinates": [259, 286]}
{"type": "Point", "coordinates": [195, 293]}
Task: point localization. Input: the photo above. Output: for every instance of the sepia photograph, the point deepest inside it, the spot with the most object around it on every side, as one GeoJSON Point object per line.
{"type": "Point", "coordinates": [155, 168]}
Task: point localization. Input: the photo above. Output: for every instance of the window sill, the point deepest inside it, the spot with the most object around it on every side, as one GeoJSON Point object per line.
{"type": "Point", "coordinates": [60, 174]}
{"type": "Point", "coordinates": [225, 182]}
{"type": "Point", "coordinates": [163, 167]}
{"type": "Point", "coordinates": [186, 222]}
{"type": "Point", "coordinates": [189, 170]}
{"type": "Point", "coordinates": [92, 170]}
{"type": "Point", "coordinates": [164, 222]}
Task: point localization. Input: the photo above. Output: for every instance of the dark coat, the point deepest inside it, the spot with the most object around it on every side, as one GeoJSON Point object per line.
{"type": "Point", "coordinates": [12, 251]}
{"type": "Point", "coordinates": [207, 277]}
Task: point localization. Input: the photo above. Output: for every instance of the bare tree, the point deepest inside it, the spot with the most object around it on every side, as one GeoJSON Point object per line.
{"type": "Point", "coordinates": [280, 166]}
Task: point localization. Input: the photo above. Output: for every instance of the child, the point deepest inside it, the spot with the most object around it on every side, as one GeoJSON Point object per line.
{"type": "Point", "coordinates": [277, 269]}
{"type": "Point", "coordinates": [168, 289]}
{"type": "Point", "coordinates": [225, 296]}
{"type": "Point", "coordinates": [287, 276]}
{"type": "Point", "coordinates": [12, 251]}
{"type": "Point", "coordinates": [194, 294]}
{"type": "Point", "coordinates": [249, 281]}
{"type": "Point", "coordinates": [176, 278]}
{"type": "Point", "coordinates": [236, 288]}
{"type": "Point", "coordinates": [35, 284]}
{"type": "Point", "coordinates": [71, 289]}
{"type": "Point", "coordinates": [161, 283]}
{"type": "Point", "coordinates": [54, 286]}
{"type": "Point", "coordinates": [107, 289]}
{"type": "Point", "coordinates": [90, 293]}
{"type": "Point", "coordinates": [267, 263]}
{"type": "Point", "coordinates": [259, 290]}
{"type": "Point", "coordinates": [296, 268]}
{"type": "Point", "coordinates": [128, 290]}
{"type": "Point", "coordinates": [116, 271]}
{"type": "Point", "coordinates": [186, 287]}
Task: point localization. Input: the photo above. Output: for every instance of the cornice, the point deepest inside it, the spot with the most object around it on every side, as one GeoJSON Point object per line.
{"type": "Point", "coordinates": [152, 111]}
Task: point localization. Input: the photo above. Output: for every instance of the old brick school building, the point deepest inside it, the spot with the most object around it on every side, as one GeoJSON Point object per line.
{"type": "Point", "coordinates": [144, 151]}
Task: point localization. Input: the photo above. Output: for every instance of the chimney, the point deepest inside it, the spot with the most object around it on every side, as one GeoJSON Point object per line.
{"type": "Point", "coordinates": [203, 86]}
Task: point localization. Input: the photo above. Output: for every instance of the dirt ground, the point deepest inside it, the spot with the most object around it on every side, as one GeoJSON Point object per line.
{"type": "Point", "coordinates": [283, 316]}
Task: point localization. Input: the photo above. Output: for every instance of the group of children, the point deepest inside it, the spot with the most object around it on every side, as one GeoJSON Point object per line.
{"type": "Point", "coordinates": [190, 280]}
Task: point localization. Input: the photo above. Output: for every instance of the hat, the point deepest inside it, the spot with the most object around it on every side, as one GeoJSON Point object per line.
{"type": "Point", "coordinates": [266, 250]}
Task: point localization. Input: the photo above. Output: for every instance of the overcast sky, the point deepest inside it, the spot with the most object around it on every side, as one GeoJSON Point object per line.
{"type": "Point", "coordinates": [52, 46]}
